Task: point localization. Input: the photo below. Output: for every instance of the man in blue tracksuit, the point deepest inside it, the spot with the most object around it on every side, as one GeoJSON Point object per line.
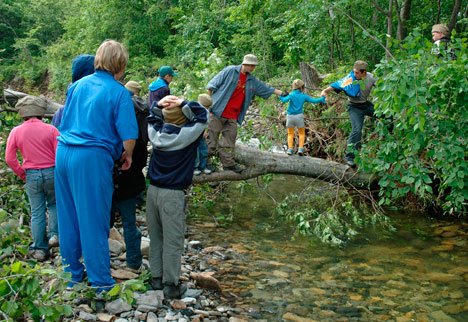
{"type": "Point", "coordinates": [170, 172]}
{"type": "Point", "coordinates": [98, 124]}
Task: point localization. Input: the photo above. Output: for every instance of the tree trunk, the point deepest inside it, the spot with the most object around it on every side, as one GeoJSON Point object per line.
{"type": "Point", "coordinates": [310, 76]}
{"type": "Point", "coordinates": [453, 17]}
{"type": "Point", "coordinates": [11, 97]}
{"type": "Point", "coordinates": [262, 162]}
{"type": "Point", "coordinates": [389, 27]}
{"type": "Point", "coordinates": [403, 16]}
{"type": "Point", "coordinates": [352, 32]}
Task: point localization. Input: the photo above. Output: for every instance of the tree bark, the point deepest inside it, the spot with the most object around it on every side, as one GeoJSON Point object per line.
{"type": "Point", "coordinates": [11, 97]}
{"type": "Point", "coordinates": [403, 16]}
{"type": "Point", "coordinates": [389, 27]}
{"type": "Point", "coordinates": [310, 76]}
{"type": "Point", "coordinates": [262, 162]}
{"type": "Point", "coordinates": [453, 17]}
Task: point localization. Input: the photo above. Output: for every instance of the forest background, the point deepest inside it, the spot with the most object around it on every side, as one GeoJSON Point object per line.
{"type": "Point", "coordinates": [423, 95]}
{"type": "Point", "coordinates": [422, 162]}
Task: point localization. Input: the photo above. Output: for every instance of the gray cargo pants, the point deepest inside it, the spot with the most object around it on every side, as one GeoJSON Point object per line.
{"type": "Point", "coordinates": [165, 217]}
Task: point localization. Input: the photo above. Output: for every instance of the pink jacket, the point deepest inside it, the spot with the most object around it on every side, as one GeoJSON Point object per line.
{"type": "Point", "coordinates": [37, 143]}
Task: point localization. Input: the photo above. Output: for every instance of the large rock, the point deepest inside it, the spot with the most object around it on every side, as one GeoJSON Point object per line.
{"type": "Point", "coordinates": [118, 306]}
{"type": "Point", "coordinates": [115, 247]}
{"type": "Point", "coordinates": [206, 281]}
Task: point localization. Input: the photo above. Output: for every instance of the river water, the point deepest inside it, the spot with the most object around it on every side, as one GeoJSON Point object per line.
{"type": "Point", "coordinates": [418, 273]}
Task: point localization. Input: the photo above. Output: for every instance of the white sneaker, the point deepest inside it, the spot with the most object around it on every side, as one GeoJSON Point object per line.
{"type": "Point", "coordinates": [53, 241]}
{"type": "Point", "coordinates": [206, 171]}
{"type": "Point", "coordinates": [196, 172]}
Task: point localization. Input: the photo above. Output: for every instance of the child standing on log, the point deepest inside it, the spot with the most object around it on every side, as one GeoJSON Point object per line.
{"type": "Point", "coordinates": [295, 114]}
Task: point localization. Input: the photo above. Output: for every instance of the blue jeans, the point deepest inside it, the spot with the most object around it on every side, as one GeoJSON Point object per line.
{"type": "Point", "coordinates": [202, 154]}
{"type": "Point", "coordinates": [132, 235]}
{"type": "Point", "coordinates": [357, 112]}
{"type": "Point", "coordinates": [41, 194]}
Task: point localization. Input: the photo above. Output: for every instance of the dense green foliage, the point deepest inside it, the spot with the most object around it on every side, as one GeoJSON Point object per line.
{"type": "Point", "coordinates": [425, 154]}
{"type": "Point", "coordinates": [40, 38]}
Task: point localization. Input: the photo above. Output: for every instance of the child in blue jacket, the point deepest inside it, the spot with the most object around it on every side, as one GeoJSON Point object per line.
{"type": "Point", "coordinates": [295, 116]}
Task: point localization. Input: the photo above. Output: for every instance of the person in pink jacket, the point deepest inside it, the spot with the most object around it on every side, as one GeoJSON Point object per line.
{"type": "Point", "coordinates": [37, 143]}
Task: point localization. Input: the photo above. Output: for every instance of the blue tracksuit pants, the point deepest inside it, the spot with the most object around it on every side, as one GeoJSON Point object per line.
{"type": "Point", "coordinates": [83, 185]}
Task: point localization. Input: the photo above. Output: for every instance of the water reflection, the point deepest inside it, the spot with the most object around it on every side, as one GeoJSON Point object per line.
{"type": "Point", "coordinates": [419, 274]}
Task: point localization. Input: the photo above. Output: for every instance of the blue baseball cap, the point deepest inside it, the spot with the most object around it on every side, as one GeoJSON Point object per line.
{"type": "Point", "coordinates": [166, 70]}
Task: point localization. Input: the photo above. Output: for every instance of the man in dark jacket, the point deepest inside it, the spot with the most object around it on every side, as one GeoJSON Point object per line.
{"type": "Point", "coordinates": [130, 183]}
{"type": "Point", "coordinates": [160, 87]}
{"type": "Point", "coordinates": [170, 173]}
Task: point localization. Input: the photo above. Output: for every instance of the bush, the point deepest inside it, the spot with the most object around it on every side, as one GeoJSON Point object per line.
{"type": "Point", "coordinates": [424, 151]}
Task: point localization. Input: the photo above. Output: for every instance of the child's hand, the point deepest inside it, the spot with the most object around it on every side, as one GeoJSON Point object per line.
{"type": "Point", "coordinates": [323, 99]}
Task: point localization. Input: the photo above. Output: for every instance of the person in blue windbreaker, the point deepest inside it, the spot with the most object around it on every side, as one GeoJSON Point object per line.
{"type": "Point", "coordinates": [295, 114]}
{"type": "Point", "coordinates": [357, 85]}
{"type": "Point", "coordinates": [98, 123]}
{"type": "Point", "coordinates": [159, 88]}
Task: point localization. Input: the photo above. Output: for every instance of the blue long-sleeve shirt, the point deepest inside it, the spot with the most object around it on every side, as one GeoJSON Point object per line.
{"type": "Point", "coordinates": [224, 84]}
{"type": "Point", "coordinates": [296, 101]}
{"type": "Point", "coordinates": [98, 113]}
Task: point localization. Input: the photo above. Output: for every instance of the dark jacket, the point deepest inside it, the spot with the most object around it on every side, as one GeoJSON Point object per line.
{"type": "Point", "coordinates": [158, 89]}
{"type": "Point", "coordinates": [175, 148]}
{"type": "Point", "coordinates": [131, 182]}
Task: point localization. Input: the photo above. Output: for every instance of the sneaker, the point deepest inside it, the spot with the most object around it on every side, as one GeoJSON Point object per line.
{"type": "Point", "coordinates": [53, 241]}
{"type": "Point", "coordinates": [206, 171]}
{"type": "Point", "coordinates": [290, 151]}
{"type": "Point", "coordinates": [300, 151]}
{"type": "Point", "coordinates": [351, 163]}
{"type": "Point", "coordinates": [196, 172]}
{"type": "Point", "coordinates": [172, 291]}
{"type": "Point", "coordinates": [237, 168]}
{"type": "Point", "coordinates": [39, 255]}
{"type": "Point", "coordinates": [211, 167]}
{"type": "Point", "coordinates": [137, 270]}
{"type": "Point", "coordinates": [156, 283]}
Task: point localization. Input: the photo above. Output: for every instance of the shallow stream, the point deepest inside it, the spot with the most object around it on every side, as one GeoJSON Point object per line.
{"type": "Point", "coordinates": [419, 273]}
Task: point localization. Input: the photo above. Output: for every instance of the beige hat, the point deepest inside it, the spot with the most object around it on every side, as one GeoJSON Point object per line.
{"type": "Point", "coordinates": [174, 116]}
{"type": "Point", "coordinates": [250, 59]}
{"type": "Point", "coordinates": [441, 28]}
{"type": "Point", "coordinates": [31, 106]}
{"type": "Point", "coordinates": [133, 87]}
{"type": "Point", "coordinates": [205, 100]}
{"type": "Point", "coordinates": [297, 83]}
{"type": "Point", "coordinates": [360, 64]}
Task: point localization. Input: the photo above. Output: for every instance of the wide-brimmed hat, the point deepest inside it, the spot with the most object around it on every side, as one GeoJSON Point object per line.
{"type": "Point", "coordinates": [174, 116]}
{"type": "Point", "coordinates": [443, 29]}
{"type": "Point", "coordinates": [133, 87]}
{"type": "Point", "coordinates": [31, 106]}
{"type": "Point", "coordinates": [205, 100]}
{"type": "Point", "coordinates": [166, 70]}
{"type": "Point", "coordinates": [359, 65]}
{"type": "Point", "coordinates": [250, 59]}
{"type": "Point", "coordinates": [297, 83]}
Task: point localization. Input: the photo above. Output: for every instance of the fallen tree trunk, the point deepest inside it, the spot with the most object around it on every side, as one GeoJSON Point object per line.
{"type": "Point", "coordinates": [262, 162]}
{"type": "Point", "coordinates": [11, 97]}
